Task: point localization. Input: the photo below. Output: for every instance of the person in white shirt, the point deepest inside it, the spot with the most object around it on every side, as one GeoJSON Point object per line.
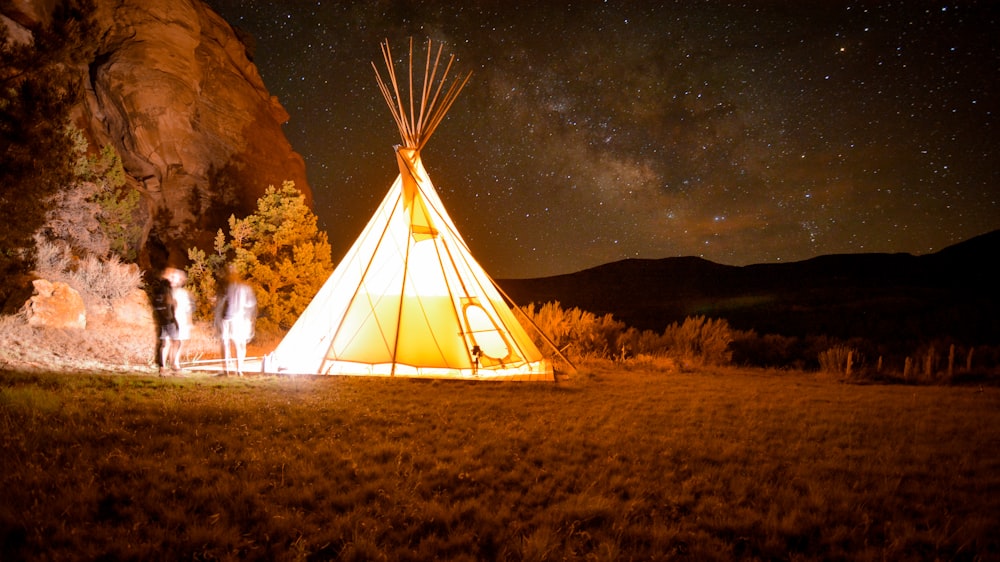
{"type": "Point", "coordinates": [235, 316]}
{"type": "Point", "coordinates": [174, 334]}
{"type": "Point", "coordinates": [183, 314]}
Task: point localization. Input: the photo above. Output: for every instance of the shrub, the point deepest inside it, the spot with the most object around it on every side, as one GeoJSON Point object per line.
{"type": "Point", "coordinates": [100, 281]}
{"type": "Point", "coordinates": [586, 335]}
{"type": "Point", "coordinates": [105, 279]}
{"type": "Point", "coordinates": [72, 219]}
{"type": "Point", "coordinates": [635, 343]}
{"type": "Point", "coordinates": [53, 259]}
{"type": "Point", "coordinates": [767, 350]}
{"type": "Point", "coordinates": [574, 331]}
{"type": "Point", "coordinates": [203, 274]}
{"type": "Point", "coordinates": [551, 320]}
{"type": "Point", "coordinates": [700, 339]}
{"type": "Point", "coordinates": [98, 212]}
{"type": "Point", "coordinates": [841, 360]}
{"type": "Point", "coordinates": [118, 205]}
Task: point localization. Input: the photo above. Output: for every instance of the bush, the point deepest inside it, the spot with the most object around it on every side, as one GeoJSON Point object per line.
{"type": "Point", "coordinates": [204, 273]}
{"type": "Point", "coordinates": [635, 343]}
{"type": "Point", "coordinates": [768, 350]}
{"type": "Point", "coordinates": [586, 336]}
{"type": "Point", "coordinates": [701, 340]}
{"type": "Point", "coordinates": [97, 213]}
{"type": "Point", "coordinates": [841, 360]}
{"type": "Point", "coordinates": [575, 332]}
{"type": "Point", "coordinates": [105, 279]}
{"type": "Point", "coordinates": [100, 281]}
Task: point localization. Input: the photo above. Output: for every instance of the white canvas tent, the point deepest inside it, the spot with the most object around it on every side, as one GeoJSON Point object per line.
{"type": "Point", "coordinates": [408, 298]}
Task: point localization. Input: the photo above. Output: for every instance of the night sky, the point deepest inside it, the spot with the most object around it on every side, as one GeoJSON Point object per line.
{"type": "Point", "coordinates": [590, 132]}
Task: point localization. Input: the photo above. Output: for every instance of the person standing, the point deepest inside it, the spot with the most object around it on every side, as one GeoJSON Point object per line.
{"type": "Point", "coordinates": [163, 315]}
{"type": "Point", "coordinates": [183, 316]}
{"type": "Point", "coordinates": [174, 313]}
{"type": "Point", "coordinates": [235, 317]}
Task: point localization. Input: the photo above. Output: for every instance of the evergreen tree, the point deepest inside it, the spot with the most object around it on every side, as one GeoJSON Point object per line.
{"type": "Point", "coordinates": [97, 213]}
{"type": "Point", "coordinates": [278, 250]}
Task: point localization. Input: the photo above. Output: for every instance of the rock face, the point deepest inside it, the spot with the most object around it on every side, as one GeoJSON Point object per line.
{"type": "Point", "coordinates": [172, 89]}
{"type": "Point", "coordinates": [56, 305]}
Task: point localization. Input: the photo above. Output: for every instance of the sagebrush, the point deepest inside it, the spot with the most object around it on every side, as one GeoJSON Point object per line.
{"type": "Point", "coordinates": [99, 280]}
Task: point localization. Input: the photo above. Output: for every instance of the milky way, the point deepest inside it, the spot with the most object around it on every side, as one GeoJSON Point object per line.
{"type": "Point", "coordinates": [597, 131]}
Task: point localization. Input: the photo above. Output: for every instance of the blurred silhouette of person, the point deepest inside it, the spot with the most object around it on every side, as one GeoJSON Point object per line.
{"type": "Point", "coordinates": [163, 314]}
{"type": "Point", "coordinates": [235, 315]}
{"type": "Point", "coordinates": [183, 317]}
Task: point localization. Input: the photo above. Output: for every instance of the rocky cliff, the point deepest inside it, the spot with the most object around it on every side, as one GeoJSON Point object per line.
{"type": "Point", "coordinates": [171, 87]}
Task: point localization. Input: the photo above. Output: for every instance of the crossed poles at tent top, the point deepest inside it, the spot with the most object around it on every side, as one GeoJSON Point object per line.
{"type": "Point", "coordinates": [416, 127]}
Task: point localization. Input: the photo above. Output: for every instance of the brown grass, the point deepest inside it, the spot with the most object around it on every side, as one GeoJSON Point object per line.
{"type": "Point", "coordinates": [611, 465]}
{"type": "Point", "coordinates": [105, 347]}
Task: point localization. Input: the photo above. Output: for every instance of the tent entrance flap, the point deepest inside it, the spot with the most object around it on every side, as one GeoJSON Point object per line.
{"type": "Point", "coordinates": [485, 333]}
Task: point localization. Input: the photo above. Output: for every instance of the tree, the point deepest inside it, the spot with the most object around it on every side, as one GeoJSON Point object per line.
{"type": "Point", "coordinates": [203, 274]}
{"type": "Point", "coordinates": [39, 83]}
{"type": "Point", "coordinates": [97, 213]}
{"type": "Point", "coordinates": [278, 250]}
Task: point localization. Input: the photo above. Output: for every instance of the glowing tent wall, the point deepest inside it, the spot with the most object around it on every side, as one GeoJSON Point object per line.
{"type": "Point", "coordinates": [409, 299]}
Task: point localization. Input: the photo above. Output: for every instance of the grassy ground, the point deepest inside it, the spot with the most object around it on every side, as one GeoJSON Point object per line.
{"type": "Point", "coordinates": [611, 465]}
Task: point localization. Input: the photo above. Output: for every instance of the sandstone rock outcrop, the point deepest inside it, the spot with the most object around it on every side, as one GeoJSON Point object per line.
{"type": "Point", "coordinates": [56, 305]}
{"type": "Point", "coordinates": [171, 87]}
{"type": "Point", "coordinates": [132, 311]}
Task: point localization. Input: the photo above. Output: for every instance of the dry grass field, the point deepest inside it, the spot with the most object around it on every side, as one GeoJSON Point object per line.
{"type": "Point", "coordinates": [614, 464]}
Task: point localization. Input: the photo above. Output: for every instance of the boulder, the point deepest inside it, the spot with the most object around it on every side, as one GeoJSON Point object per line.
{"type": "Point", "coordinates": [134, 309]}
{"type": "Point", "coordinates": [55, 305]}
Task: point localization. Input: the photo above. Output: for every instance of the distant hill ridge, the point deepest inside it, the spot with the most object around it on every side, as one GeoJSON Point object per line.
{"type": "Point", "coordinates": [951, 293]}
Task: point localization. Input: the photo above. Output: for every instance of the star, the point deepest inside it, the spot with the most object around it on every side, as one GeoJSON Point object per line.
{"type": "Point", "coordinates": [743, 134]}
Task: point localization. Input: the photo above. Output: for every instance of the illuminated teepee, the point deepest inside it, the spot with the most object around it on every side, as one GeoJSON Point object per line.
{"type": "Point", "coordinates": [409, 299]}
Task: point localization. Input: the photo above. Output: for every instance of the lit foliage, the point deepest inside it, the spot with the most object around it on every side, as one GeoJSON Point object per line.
{"type": "Point", "coordinates": [203, 273]}
{"type": "Point", "coordinates": [278, 250]}
{"type": "Point", "coordinates": [39, 83]}
{"type": "Point", "coordinates": [838, 359]}
{"type": "Point", "coordinates": [574, 331]}
{"type": "Point", "coordinates": [583, 334]}
{"type": "Point", "coordinates": [98, 213]}
{"type": "Point", "coordinates": [118, 204]}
